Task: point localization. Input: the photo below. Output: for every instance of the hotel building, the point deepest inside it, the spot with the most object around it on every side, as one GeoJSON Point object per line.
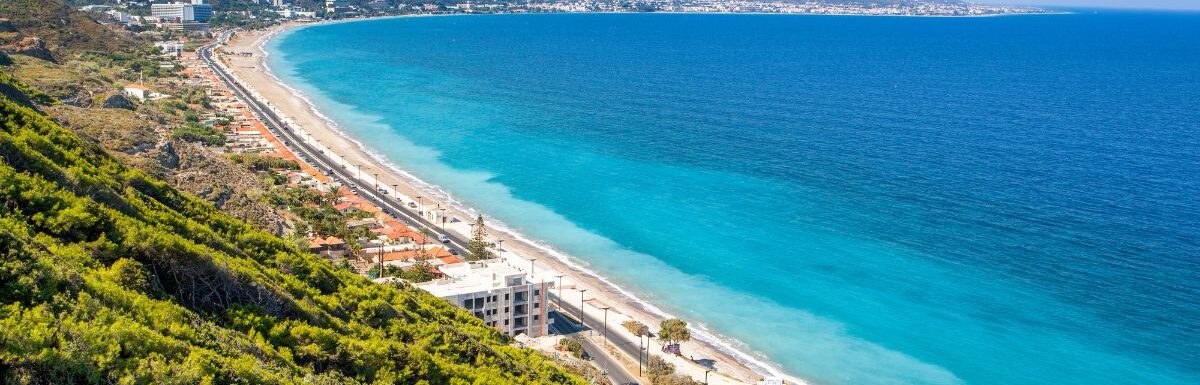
{"type": "Point", "coordinates": [503, 296]}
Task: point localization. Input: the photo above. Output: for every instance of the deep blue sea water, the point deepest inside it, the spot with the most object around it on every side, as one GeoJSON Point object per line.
{"type": "Point", "coordinates": [862, 200]}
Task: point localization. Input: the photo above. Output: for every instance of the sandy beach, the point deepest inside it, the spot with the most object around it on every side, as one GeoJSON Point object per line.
{"type": "Point", "coordinates": [731, 367]}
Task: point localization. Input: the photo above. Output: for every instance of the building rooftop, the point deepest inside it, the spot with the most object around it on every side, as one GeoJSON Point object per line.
{"type": "Point", "coordinates": [474, 277]}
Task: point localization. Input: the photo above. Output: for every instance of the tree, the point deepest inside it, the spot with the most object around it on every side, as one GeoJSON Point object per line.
{"type": "Point", "coordinates": [637, 328]}
{"type": "Point", "coordinates": [477, 247]}
{"type": "Point", "coordinates": [674, 330]}
{"type": "Point", "coordinates": [130, 274]}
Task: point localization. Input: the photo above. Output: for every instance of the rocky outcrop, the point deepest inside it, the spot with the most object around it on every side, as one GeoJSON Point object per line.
{"type": "Point", "coordinates": [29, 46]}
{"type": "Point", "coordinates": [118, 101]}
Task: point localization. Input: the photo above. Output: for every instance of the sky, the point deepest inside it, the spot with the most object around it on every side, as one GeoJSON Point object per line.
{"type": "Point", "coordinates": [1160, 4]}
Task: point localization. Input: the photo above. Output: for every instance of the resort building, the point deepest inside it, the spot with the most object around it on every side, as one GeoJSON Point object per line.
{"type": "Point", "coordinates": [503, 296]}
{"type": "Point", "coordinates": [181, 12]}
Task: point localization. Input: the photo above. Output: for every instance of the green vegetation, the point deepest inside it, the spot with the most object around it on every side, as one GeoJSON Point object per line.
{"type": "Point", "coordinates": [111, 276]}
{"type": "Point", "coordinates": [22, 93]}
{"type": "Point", "coordinates": [674, 330]}
{"type": "Point", "coordinates": [637, 328]}
{"type": "Point", "coordinates": [196, 132]}
{"type": "Point", "coordinates": [572, 346]}
{"type": "Point", "coordinates": [662, 372]}
{"type": "Point", "coordinates": [477, 247]}
{"type": "Point", "coordinates": [264, 163]}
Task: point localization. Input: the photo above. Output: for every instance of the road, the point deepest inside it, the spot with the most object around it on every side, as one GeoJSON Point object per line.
{"type": "Point", "coordinates": [570, 328]}
{"type": "Point", "coordinates": [320, 161]}
{"type": "Point", "coordinates": [595, 324]}
{"type": "Point", "coordinates": [317, 158]}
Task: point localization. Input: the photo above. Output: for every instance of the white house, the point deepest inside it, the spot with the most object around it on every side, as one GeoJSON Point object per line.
{"type": "Point", "coordinates": [137, 91]}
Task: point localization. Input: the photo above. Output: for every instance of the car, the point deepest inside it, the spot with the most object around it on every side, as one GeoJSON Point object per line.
{"type": "Point", "coordinates": [453, 252]}
{"type": "Point", "coordinates": [443, 238]}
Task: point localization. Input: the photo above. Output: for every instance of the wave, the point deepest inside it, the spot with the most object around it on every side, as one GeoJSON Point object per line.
{"type": "Point", "coordinates": [728, 345]}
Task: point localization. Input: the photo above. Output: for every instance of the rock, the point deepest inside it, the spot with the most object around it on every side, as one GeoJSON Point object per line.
{"type": "Point", "coordinates": [118, 101]}
{"type": "Point", "coordinates": [29, 46]}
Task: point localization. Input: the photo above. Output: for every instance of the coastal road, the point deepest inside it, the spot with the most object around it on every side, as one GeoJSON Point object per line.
{"type": "Point", "coordinates": [570, 328]}
{"type": "Point", "coordinates": [615, 371]}
{"type": "Point", "coordinates": [594, 324]}
{"type": "Point", "coordinates": [317, 158]}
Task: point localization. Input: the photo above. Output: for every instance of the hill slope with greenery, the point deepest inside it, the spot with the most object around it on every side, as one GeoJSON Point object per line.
{"type": "Point", "coordinates": [110, 276]}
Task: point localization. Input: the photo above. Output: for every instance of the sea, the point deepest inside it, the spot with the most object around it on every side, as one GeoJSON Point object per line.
{"type": "Point", "coordinates": [849, 200]}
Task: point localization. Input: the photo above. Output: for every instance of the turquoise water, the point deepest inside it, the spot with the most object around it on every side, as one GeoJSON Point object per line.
{"type": "Point", "coordinates": [860, 200]}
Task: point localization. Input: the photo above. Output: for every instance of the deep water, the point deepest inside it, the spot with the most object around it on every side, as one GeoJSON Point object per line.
{"type": "Point", "coordinates": [862, 200]}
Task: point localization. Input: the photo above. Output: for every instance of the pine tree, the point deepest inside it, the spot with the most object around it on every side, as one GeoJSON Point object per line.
{"type": "Point", "coordinates": [477, 247]}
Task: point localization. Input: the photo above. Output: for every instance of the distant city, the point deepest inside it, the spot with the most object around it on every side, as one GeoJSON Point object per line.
{"type": "Point", "coordinates": [195, 15]}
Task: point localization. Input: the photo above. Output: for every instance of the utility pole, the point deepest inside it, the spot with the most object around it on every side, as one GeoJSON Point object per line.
{"type": "Point", "coordinates": [560, 305]}
{"type": "Point", "coordinates": [581, 307]}
{"type": "Point", "coordinates": [605, 324]}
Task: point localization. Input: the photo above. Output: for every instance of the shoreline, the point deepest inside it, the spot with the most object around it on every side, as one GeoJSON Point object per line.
{"type": "Point", "coordinates": [735, 365]}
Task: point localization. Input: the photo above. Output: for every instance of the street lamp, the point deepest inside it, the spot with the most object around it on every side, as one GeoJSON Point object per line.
{"type": "Point", "coordinates": [376, 186]}
{"type": "Point", "coordinates": [358, 171]}
{"type": "Point", "coordinates": [531, 260]}
{"type": "Point", "coordinates": [500, 248]}
{"type": "Point", "coordinates": [605, 324]}
{"type": "Point", "coordinates": [396, 191]}
{"type": "Point", "coordinates": [559, 290]}
{"type": "Point", "coordinates": [706, 376]}
{"type": "Point", "coordinates": [581, 307]}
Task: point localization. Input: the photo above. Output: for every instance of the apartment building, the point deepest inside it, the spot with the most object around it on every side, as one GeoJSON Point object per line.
{"type": "Point", "coordinates": [503, 296]}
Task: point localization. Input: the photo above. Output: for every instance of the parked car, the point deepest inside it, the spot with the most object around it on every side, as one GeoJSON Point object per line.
{"type": "Point", "coordinates": [443, 238]}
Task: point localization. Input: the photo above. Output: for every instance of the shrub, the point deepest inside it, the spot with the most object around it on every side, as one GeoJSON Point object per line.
{"type": "Point", "coordinates": [572, 346]}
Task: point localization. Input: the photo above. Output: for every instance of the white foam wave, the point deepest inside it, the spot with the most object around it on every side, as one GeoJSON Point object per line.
{"type": "Point", "coordinates": [729, 345]}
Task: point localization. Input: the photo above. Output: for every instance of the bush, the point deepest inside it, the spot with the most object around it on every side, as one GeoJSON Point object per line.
{"type": "Point", "coordinates": [130, 274]}
{"type": "Point", "coordinates": [573, 346]}
{"type": "Point", "coordinates": [195, 132]}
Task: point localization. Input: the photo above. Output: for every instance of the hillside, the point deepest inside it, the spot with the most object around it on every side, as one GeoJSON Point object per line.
{"type": "Point", "coordinates": [59, 26]}
{"type": "Point", "coordinates": [112, 276]}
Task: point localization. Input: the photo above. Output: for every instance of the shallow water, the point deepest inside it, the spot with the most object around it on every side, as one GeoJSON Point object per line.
{"type": "Point", "coordinates": [861, 200]}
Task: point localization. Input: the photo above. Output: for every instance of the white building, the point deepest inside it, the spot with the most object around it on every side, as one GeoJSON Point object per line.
{"type": "Point", "coordinates": [170, 47]}
{"type": "Point", "coordinates": [333, 6]}
{"type": "Point", "coordinates": [501, 295]}
{"type": "Point", "coordinates": [181, 12]}
{"type": "Point", "coordinates": [136, 91]}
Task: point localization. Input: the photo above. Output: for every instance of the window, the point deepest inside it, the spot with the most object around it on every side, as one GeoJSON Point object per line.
{"type": "Point", "coordinates": [505, 296]}
{"type": "Point", "coordinates": [535, 305]}
{"type": "Point", "coordinates": [535, 317]}
{"type": "Point", "coordinates": [537, 291]}
{"type": "Point", "coordinates": [505, 322]}
{"type": "Point", "coordinates": [467, 303]}
{"type": "Point", "coordinates": [506, 310]}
